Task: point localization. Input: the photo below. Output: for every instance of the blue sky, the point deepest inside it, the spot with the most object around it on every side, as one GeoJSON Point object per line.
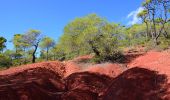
{"type": "Point", "coordinates": [50, 16]}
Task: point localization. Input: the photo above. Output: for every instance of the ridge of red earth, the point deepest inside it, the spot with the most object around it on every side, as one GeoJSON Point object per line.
{"type": "Point", "coordinates": [138, 84]}
{"type": "Point", "coordinates": [153, 60]}
{"type": "Point", "coordinates": [55, 66]}
{"type": "Point", "coordinates": [146, 77]}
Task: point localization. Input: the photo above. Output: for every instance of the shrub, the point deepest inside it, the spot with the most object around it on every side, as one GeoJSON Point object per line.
{"type": "Point", "coordinates": [116, 56]}
{"type": "Point", "coordinates": [5, 61]}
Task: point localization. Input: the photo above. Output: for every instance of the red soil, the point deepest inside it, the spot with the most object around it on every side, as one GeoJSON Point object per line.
{"type": "Point", "coordinates": [83, 58]}
{"type": "Point", "coordinates": [93, 82]}
{"type": "Point", "coordinates": [157, 61]}
{"type": "Point", "coordinates": [77, 94]}
{"type": "Point", "coordinates": [138, 84]}
{"type": "Point", "coordinates": [55, 66]}
{"type": "Point", "coordinates": [79, 80]}
{"type": "Point", "coordinates": [71, 68]}
{"type": "Point", "coordinates": [108, 69]}
{"type": "Point", "coordinates": [32, 84]}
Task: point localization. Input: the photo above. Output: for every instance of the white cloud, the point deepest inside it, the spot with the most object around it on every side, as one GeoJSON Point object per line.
{"type": "Point", "coordinates": [133, 16]}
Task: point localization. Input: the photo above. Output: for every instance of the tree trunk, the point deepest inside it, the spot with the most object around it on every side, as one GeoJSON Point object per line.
{"type": "Point", "coordinates": [94, 49]}
{"type": "Point", "coordinates": [155, 41]}
{"type": "Point", "coordinates": [154, 29]}
{"type": "Point", "coordinates": [165, 32]}
{"type": "Point", "coordinates": [47, 54]}
{"type": "Point", "coordinates": [25, 58]}
{"type": "Point", "coordinates": [165, 6]}
{"type": "Point", "coordinates": [16, 51]}
{"type": "Point", "coordinates": [147, 30]}
{"type": "Point", "coordinates": [154, 34]}
{"type": "Point", "coordinates": [33, 54]}
{"type": "Point", "coordinates": [54, 57]}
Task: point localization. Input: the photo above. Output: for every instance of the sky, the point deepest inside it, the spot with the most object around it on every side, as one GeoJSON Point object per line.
{"type": "Point", "coordinates": [50, 16]}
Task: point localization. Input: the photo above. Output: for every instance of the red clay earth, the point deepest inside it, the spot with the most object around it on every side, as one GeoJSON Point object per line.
{"type": "Point", "coordinates": [39, 81]}
{"type": "Point", "coordinates": [138, 84]}
{"type": "Point", "coordinates": [144, 76]}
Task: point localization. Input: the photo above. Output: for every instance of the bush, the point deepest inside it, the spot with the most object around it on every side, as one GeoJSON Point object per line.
{"type": "Point", "coordinates": [116, 56]}
{"type": "Point", "coordinates": [5, 61]}
{"type": "Point", "coordinates": [162, 45]}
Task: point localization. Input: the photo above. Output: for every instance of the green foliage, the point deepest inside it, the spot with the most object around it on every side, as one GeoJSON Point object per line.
{"type": "Point", "coordinates": [2, 43]}
{"type": "Point", "coordinates": [58, 53]}
{"type": "Point", "coordinates": [136, 35]}
{"type": "Point", "coordinates": [5, 61]}
{"type": "Point", "coordinates": [115, 56]}
{"type": "Point", "coordinates": [91, 34]}
{"type": "Point", "coordinates": [47, 43]}
{"type": "Point", "coordinates": [164, 44]}
{"type": "Point", "coordinates": [156, 12]}
{"type": "Point", "coordinates": [33, 38]}
{"type": "Point", "coordinates": [17, 40]}
{"type": "Point", "coordinates": [42, 54]}
{"type": "Point", "coordinates": [88, 35]}
{"type": "Point", "coordinates": [143, 15]}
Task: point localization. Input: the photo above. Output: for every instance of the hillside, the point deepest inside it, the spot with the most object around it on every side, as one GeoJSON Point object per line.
{"type": "Point", "coordinates": [144, 76]}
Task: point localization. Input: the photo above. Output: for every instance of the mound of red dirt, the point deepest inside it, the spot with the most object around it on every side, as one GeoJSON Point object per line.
{"type": "Point", "coordinates": [138, 84]}
{"type": "Point", "coordinates": [86, 81]}
{"type": "Point", "coordinates": [78, 80]}
{"type": "Point", "coordinates": [33, 84]}
{"type": "Point", "coordinates": [42, 81]}
{"type": "Point", "coordinates": [79, 94]}
{"type": "Point", "coordinates": [55, 66]}
{"type": "Point", "coordinates": [157, 61]}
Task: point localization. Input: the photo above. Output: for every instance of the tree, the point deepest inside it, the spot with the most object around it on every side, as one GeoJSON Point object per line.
{"type": "Point", "coordinates": [20, 46]}
{"type": "Point", "coordinates": [42, 55]}
{"type": "Point", "coordinates": [90, 34]}
{"type": "Point", "coordinates": [158, 13]}
{"type": "Point", "coordinates": [33, 38]}
{"type": "Point", "coordinates": [47, 43]}
{"type": "Point", "coordinates": [58, 53]}
{"type": "Point", "coordinates": [144, 15]}
{"type": "Point", "coordinates": [2, 44]}
{"type": "Point", "coordinates": [136, 34]}
{"type": "Point", "coordinates": [77, 34]}
{"type": "Point", "coordinates": [17, 40]}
